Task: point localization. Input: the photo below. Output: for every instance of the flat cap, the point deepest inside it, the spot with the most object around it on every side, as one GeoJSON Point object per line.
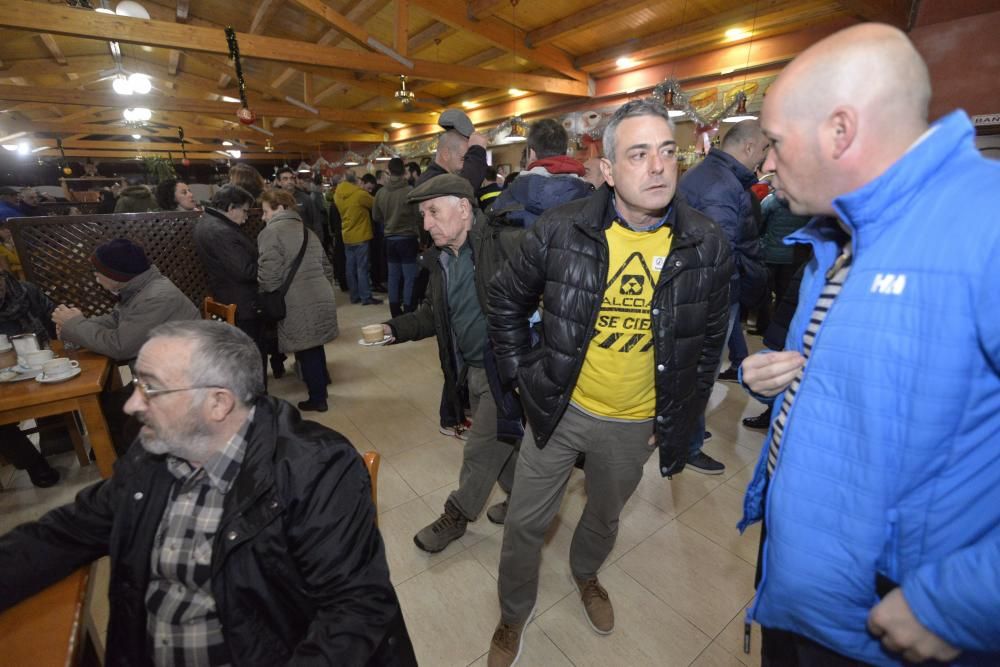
{"type": "Point", "coordinates": [442, 186]}
{"type": "Point", "coordinates": [453, 119]}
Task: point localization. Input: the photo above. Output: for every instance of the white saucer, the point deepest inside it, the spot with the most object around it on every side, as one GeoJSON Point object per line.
{"type": "Point", "coordinates": [362, 341]}
{"type": "Point", "coordinates": [58, 378]}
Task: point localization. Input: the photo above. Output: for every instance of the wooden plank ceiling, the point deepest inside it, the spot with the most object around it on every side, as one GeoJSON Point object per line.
{"type": "Point", "coordinates": [322, 73]}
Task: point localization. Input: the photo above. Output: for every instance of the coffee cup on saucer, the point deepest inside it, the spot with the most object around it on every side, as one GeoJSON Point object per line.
{"type": "Point", "coordinates": [59, 366]}
{"type": "Point", "coordinates": [373, 333]}
{"type": "Point", "coordinates": [38, 358]}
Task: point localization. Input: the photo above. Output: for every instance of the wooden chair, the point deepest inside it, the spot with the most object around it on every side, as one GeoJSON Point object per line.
{"type": "Point", "coordinates": [372, 461]}
{"type": "Point", "coordinates": [212, 309]}
{"type": "Point", "coordinates": [47, 628]}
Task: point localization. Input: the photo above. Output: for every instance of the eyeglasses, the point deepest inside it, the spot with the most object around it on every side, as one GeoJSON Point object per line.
{"type": "Point", "coordinates": [148, 393]}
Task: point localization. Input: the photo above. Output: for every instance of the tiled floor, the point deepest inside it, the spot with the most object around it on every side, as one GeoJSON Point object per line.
{"type": "Point", "coordinates": [680, 575]}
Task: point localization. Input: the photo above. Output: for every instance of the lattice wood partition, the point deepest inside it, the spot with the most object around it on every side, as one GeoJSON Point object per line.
{"type": "Point", "coordinates": [55, 252]}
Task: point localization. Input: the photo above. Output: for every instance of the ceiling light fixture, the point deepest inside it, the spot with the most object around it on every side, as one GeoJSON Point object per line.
{"type": "Point", "coordinates": [734, 34]}
{"type": "Point", "coordinates": [137, 136]}
{"type": "Point", "coordinates": [404, 96]}
{"type": "Point", "coordinates": [741, 113]}
{"type": "Point", "coordinates": [515, 92]}
{"type": "Point", "coordinates": [397, 126]}
{"type": "Point", "coordinates": [469, 104]}
{"type": "Point", "coordinates": [235, 153]}
{"type": "Point", "coordinates": [140, 83]}
{"type": "Point", "coordinates": [10, 147]}
{"type": "Point", "coordinates": [23, 148]}
{"type": "Point", "coordinates": [624, 62]}
{"type": "Point", "coordinates": [227, 98]}
{"type": "Point", "coordinates": [227, 143]}
{"type": "Point", "coordinates": [304, 168]}
{"type": "Point", "coordinates": [121, 85]}
{"type": "Point", "coordinates": [131, 9]}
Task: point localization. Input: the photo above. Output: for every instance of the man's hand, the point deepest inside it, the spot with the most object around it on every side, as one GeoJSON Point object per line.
{"type": "Point", "coordinates": [901, 632]}
{"type": "Point", "coordinates": [63, 314]}
{"type": "Point", "coordinates": [476, 139]}
{"type": "Point", "coordinates": [387, 332]}
{"type": "Point", "coordinates": [770, 374]}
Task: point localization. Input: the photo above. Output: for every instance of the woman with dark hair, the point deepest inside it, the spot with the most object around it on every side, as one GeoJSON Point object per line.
{"type": "Point", "coordinates": [174, 195]}
{"type": "Point", "coordinates": [247, 178]}
{"type": "Point", "coordinates": [311, 313]}
{"type": "Point", "coordinates": [229, 258]}
{"type": "Point", "coordinates": [25, 309]}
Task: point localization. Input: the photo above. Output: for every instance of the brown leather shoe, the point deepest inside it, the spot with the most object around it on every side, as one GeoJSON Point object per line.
{"type": "Point", "coordinates": [505, 648]}
{"type": "Point", "coordinates": [596, 605]}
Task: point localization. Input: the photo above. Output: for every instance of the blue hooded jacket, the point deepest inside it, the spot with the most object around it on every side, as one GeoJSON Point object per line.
{"type": "Point", "coordinates": [890, 460]}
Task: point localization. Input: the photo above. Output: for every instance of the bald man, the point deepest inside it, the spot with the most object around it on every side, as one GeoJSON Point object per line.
{"type": "Point", "coordinates": [879, 480]}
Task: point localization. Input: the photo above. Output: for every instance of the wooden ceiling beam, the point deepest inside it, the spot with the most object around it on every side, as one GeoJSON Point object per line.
{"type": "Point", "coordinates": [98, 154]}
{"type": "Point", "coordinates": [174, 62]}
{"type": "Point", "coordinates": [45, 66]}
{"type": "Point", "coordinates": [436, 30]}
{"type": "Point", "coordinates": [503, 34]}
{"type": "Point", "coordinates": [346, 26]}
{"type": "Point", "coordinates": [262, 15]}
{"type": "Point", "coordinates": [211, 108]}
{"type": "Point", "coordinates": [580, 19]}
{"type": "Point", "coordinates": [899, 13]}
{"type": "Point", "coordinates": [477, 9]}
{"type": "Point", "coordinates": [771, 17]}
{"type": "Point", "coordinates": [49, 42]}
{"type": "Point", "coordinates": [401, 27]}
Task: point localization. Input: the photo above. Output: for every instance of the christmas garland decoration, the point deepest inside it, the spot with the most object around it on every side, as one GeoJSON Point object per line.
{"type": "Point", "coordinates": [670, 91]}
{"type": "Point", "coordinates": [245, 115]}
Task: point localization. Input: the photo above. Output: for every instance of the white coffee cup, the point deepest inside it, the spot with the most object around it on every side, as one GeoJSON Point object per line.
{"type": "Point", "coordinates": [59, 366]}
{"type": "Point", "coordinates": [38, 358]}
{"type": "Point", "coordinates": [4, 341]}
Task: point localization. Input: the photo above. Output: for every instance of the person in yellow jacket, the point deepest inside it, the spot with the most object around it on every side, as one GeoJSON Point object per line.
{"type": "Point", "coordinates": [355, 207]}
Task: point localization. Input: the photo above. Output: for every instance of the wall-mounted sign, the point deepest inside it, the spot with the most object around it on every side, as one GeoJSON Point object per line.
{"type": "Point", "coordinates": [986, 119]}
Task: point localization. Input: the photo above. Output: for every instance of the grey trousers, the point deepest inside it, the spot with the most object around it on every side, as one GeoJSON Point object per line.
{"type": "Point", "coordinates": [485, 460]}
{"type": "Point", "coordinates": [616, 453]}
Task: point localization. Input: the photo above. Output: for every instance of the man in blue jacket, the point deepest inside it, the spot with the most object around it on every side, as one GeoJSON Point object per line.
{"type": "Point", "coordinates": [879, 482]}
{"type": "Point", "coordinates": [719, 187]}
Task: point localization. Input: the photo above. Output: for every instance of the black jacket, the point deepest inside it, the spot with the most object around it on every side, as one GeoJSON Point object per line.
{"type": "Point", "coordinates": [492, 243]}
{"type": "Point", "coordinates": [299, 569]}
{"type": "Point", "coordinates": [564, 260]}
{"type": "Point", "coordinates": [229, 258]}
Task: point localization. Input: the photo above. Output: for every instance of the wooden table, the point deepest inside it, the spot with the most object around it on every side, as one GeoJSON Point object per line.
{"type": "Point", "coordinates": [47, 628]}
{"type": "Point", "coordinates": [29, 399]}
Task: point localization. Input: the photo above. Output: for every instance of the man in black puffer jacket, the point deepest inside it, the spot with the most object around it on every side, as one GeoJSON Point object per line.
{"type": "Point", "coordinates": [635, 290]}
{"type": "Point", "coordinates": [239, 534]}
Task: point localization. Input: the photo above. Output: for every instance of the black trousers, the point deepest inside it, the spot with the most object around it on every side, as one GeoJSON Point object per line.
{"type": "Point", "coordinates": [779, 277]}
{"type": "Point", "coordinates": [787, 649]}
{"type": "Point", "coordinates": [255, 329]}
{"type": "Point", "coordinates": [17, 449]}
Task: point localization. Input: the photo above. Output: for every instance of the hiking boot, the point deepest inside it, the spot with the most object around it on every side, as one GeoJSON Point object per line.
{"type": "Point", "coordinates": [449, 527]}
{"type": "Point", "coordinates": [498, 513]}
{"type": "Point", "coordinates": [705, 464]}
{"type": "Point", "coordinates": [505, 647]}
{"type": "Point", "coordinates": [731, 374]}
{"type": "Point", "coordinates": [596, 605]}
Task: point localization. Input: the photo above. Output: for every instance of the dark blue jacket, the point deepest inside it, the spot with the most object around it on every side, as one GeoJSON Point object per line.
{"type": "Point", "coordinates": [719, 188]}
{"type": "Point", "coordinates": [535, 192]}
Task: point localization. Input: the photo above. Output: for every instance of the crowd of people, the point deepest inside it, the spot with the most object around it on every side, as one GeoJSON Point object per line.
{"type": "Point", "coordinates": [581, 320]}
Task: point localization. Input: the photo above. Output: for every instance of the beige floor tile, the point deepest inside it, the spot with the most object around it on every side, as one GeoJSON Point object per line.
{"type": "Point", "coordinates": [451, 611]}
{"type": "Point", "coordinates": [715, 516]}
{"type": "Point", "coordinates": [647, 631]}
{"type": "Point", "coordinates": [741, 480]}
{"type": "Point", "coordinates": [537, 651]}
{"type": "Point", "coordinates": [393, 490]}
{"type": "Point", "coordinates": [392, 425]}
{"type": "Point", "coordinates": [21, 501]}
{"type": "Point", "coordinates": [398, 526]}
{"type": "Point", "coordinates": [429, 466]}
{"type": "Point", "coordinates": [707, 584]}
{"type": "Point", "coordinates": [716, 656]}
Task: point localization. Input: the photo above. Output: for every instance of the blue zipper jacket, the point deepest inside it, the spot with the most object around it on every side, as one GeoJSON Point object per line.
{"type": "Point", "coordinates": [890, 462]}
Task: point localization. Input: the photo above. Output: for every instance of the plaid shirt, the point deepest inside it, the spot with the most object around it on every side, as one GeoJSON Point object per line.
{"type": "Point", "coordinates": [183, 623]}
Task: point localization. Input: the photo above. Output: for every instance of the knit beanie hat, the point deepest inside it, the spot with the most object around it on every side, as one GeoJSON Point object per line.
{"type": "Point", "coordinates": [120, 260]}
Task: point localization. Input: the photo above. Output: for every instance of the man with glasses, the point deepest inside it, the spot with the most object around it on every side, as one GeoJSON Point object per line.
{"type": "Point", "coordinates": [238, 533]}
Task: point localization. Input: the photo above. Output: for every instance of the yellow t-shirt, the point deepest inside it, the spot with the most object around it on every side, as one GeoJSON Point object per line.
{"type": "Point", "coordinates": [616, 380]}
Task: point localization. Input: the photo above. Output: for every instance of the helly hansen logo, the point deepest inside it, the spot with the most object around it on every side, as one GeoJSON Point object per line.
{"type": "Point", "coordinates": [889, 283]}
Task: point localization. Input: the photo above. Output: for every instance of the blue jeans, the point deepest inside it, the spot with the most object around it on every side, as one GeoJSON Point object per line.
{"type": "Point", "coordinates": [357, 271]}
{"type": "Point", "coordinates": [401, 253]}
{"type": "Point", "coordinates": [312, 363]}
{"type": "Point", "coordinates": [698, 437]}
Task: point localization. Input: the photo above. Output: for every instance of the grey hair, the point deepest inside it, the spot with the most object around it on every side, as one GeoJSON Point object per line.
{"type": "Point", "coordinates": [643, 107]}
{"type": "Point", "coordinates": [223, 356]}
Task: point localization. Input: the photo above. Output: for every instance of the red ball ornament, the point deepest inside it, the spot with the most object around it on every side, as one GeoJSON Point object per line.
{"type": "Point", "coordinates": [186, 162]}
{"type": "Point", "coordinates": [246, 116]}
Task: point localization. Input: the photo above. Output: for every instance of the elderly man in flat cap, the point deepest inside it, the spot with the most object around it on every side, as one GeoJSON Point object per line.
{"type": "Point", "coordinates": [466, 255]}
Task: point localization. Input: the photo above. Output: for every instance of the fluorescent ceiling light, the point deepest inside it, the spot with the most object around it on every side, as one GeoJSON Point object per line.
{"type": "Point", "coordinates": [10, 147]}
{"type": "Point", "coordinates": [227, 143]}
{"type": "Point", "coordinates": [235, 153]}
{"type": "Point", "coordinates": [227, 98]}
{"type": "Point", "coordinates": [514, 92]}
{"type": "Point", "coordinates": [397, 126]}
{"type": "Point", "coordinates": [469, 105]}
{"type": "Point", "coordinates": [23, 148]}
{"type": "Point", "coordinates": [734, 34]}
{"type": "Point", "coordinates": [624, 62]}
{"type": "Point", "coordinates": [137, 136]}
{"type": "Point", "coordinates": [121, 86]}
